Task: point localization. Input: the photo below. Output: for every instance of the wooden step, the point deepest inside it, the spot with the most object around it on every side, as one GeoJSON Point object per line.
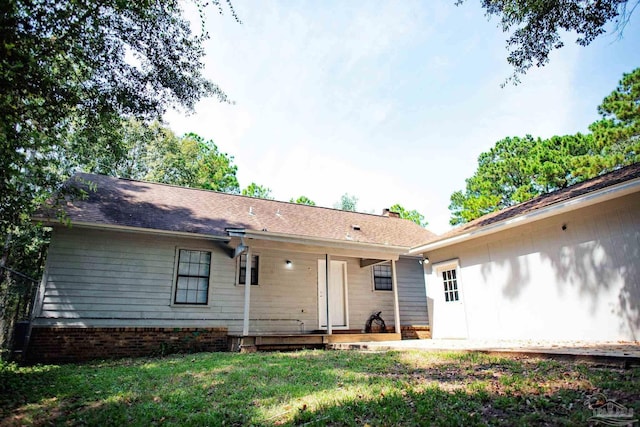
{"type": "Point", "coordinates": [362, 337]}
{"type": "Point", "coordinates": [265, 340]}
{"type": "Point", "coordinates": [303, 341]}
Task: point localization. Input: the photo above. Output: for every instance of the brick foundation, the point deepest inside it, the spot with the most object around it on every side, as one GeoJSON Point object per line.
{"type": "Point", "coordinates": [63, 344]}
{"type": "Point", "coordinates": [415, 332]}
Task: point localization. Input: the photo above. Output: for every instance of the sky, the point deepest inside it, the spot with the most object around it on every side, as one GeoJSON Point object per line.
{"type": "Point", "coordinates": [391, 102]}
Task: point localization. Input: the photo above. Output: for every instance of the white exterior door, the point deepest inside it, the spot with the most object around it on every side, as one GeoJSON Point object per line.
{"type": "Point", "coordinates": [337, 294]}
{"type": "Point", "coordinates": [449, 316]}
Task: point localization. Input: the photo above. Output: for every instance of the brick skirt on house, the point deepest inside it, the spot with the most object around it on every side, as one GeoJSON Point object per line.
{"type": "Point", "coordinates": [72, 344]}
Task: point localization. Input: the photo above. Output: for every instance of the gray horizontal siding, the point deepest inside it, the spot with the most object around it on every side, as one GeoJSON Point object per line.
{"type": "Point", "coordinates": [412, 296]}
{"type": "Point", "coordinates": [96, 276]}
{"type": "Point", "coordinates": [100, 278]}
{"type": "Point", "coordinates": [364, 300]}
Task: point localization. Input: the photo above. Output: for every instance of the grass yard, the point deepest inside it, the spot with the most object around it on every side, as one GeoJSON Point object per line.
{"type": "Point", "coordinates": [311, 388]}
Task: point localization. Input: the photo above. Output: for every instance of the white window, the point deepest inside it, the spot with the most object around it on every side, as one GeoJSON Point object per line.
{"type": "Point", "coordinates": [242, 269]}
{"type": "Point", "coordinates": [192, 279]}
{"type": "Point", "coordinates": [450, 282]}
{"type": "Point", "coordinates": [382, 280]}
{"type": "Point", "coordinates": [448, 274]}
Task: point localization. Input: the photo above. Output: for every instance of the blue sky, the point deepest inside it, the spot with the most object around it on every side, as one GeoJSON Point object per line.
{"type": "Point", "coordinates": [389, 101]}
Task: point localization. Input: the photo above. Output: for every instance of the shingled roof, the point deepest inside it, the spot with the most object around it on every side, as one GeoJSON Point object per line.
{"type": "Point", "coordinates": [144, 205]}
{"type": "Point", "coordinates": [539, 203]}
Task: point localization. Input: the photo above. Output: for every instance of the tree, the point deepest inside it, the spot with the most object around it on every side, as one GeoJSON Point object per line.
{"type": "Point", "coordinates": [518, 169]}
{"type": "Point", "coordinates": [535, 27]}
{"type": "Point", "coordinates": [346, 203]}
{"type": "Point", "coordinates": [154, 153]}
{"type": "Point", "coordinates": [258, 191]}
{"type": "Point", "coordinates": [617, 134]}
{"type": "Point", "coordinates": [413, 215]}
{"type": "Point", "coordinates": [79, 68]}
{"type": "Point", "coordinates": [303, 200]}
{"type": "Point", "coordinates": [70, 72]}
{"type": "Point", "coordinates": [212, 169]}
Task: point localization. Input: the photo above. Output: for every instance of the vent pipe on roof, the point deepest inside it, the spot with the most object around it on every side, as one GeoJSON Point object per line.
{"type": "Point", "coordinates": [389, 213]}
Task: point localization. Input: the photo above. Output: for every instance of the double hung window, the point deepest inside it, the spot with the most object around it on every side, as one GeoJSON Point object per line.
{"type": "Point", "coordinates": [192, 280]}
{"type": "Point", "coordinates": [242, 269]}
{"type": "Point", "coordinates": [382, 280]}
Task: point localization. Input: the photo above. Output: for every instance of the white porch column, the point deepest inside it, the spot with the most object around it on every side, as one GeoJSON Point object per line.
{"type": "Point", "coordinates": [328, 275]}
{"type": "Point", "coordinates": [396, 305]}
{"type": "Point", "coordinates": [247, 294]}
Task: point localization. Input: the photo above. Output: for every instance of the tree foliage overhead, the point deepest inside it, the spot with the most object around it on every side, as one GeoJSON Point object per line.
{"type": "Point", "coordinates": [154, 153]}
{"type": "Point", "coordinates": [303, 200]}
{"type": "Point", "coordinates": [347, 203]}
{"type": "Point", "coordinates": [536, 26]}
{"type": "Point", "coordinates": [617, 134]}
{"type": "Point", "coordinates": [258, 191]}
{"type": "Point", "coordinates": [518, 169]}
{"type": "Point", "coordinates": [78, 68]}
{"type": "Point", "coordinates": [412, 215]}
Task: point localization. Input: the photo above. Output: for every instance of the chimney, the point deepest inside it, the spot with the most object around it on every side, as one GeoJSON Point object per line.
{"type": "Point", "coordinates": [388, 213]}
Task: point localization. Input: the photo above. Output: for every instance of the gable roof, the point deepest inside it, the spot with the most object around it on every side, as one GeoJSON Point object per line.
{"type": "Point", "coordinates": [126, 203]}
{"type": "Point", "coordinates": [617, 183]}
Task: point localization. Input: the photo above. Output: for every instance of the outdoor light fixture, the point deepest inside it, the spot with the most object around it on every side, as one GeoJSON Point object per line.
{"type": "Point", "coordinates": [424, 260]}
{"type": "Point", "coordinates": [288, 263]}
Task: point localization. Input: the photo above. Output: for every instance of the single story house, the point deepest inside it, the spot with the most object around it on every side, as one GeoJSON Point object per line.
{"type": "Point", "coordinates": [150, 268]}
{"type": "Point", "coordinates": [147, 267]}
{"type": "Point", "coordinates": [563, 266]}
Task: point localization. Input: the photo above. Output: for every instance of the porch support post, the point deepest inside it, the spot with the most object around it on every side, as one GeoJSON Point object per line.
{"type": "Point", "coordinates": [328, 275]}
{"type": "Point", "coordinates": [396, 305]}
{"type": "Point", "coordinates": [247, 294]}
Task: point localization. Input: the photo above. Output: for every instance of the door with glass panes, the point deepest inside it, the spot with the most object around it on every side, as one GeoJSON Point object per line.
{"type": "Point", "coordinates": [445, 287]}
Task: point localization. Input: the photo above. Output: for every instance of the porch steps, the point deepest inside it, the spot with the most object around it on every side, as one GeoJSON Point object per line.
{"type": "Point", "coordinates": [286, 342]}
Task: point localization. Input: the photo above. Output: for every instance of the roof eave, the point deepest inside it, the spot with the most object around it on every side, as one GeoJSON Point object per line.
{"type": "Point", "coordinates": [316, 241]}
{"type": "Point", "coordinates": [598, 196]}
{"type": "Point", "coordinates": [129, 229]}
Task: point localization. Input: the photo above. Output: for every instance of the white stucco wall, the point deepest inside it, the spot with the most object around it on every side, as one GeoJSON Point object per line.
{"type": "Point", "coordinates": [539, 281]}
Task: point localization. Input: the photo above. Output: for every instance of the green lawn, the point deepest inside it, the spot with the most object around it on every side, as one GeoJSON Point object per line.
{"type": "Point", "coordinates": [311, 388]}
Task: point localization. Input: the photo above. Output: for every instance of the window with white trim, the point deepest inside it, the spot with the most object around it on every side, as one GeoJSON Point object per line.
{"type": "Point", "coordinates": [242, 269]}
{"type": "Point", "coordinates": [382, 280]}
{"type": "Point", "coordinates": [192, 280]}
{"type": "Point", "coordinates": [450, 282]}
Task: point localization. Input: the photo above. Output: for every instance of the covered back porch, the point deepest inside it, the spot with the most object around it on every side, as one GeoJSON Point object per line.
{"type": "Point", "coordinates": [309, 294]}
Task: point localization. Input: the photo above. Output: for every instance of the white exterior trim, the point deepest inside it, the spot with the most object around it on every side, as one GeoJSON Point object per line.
{"type": "Point", "coordinates": [174, 284]}
{"type": "Point", "coordinates": [345, 290]}
{"type": "Point", "coordinates": [447, 312]}
{"type": "Point", "coordinates": [133, 229]}
{"type": "Point", "coordinates": [396, 304]}
{"type": "Point", "coordinates": [316, 241]}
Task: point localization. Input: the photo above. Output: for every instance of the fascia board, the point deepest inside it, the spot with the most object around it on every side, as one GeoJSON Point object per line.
{"type": "Point", "coordinates": [316, 241]}
{"type": "Point", "coordinates": [599, 196]}
{"type": "Point", "coordinates": [128, 229]}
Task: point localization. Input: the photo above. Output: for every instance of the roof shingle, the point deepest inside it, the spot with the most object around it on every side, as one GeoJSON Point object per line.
{"type": "Point", "coordinates": [129, 203]}
{"type": "Point", "coordinates": [618, 176]}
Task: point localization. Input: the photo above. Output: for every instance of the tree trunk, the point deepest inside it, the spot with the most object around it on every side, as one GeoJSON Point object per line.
{"type": "Point", "coordinates": [5, 288]}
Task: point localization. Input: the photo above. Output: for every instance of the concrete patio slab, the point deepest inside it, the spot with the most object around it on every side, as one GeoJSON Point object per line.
{"type": "Point", "coordinates": [625, 354]}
